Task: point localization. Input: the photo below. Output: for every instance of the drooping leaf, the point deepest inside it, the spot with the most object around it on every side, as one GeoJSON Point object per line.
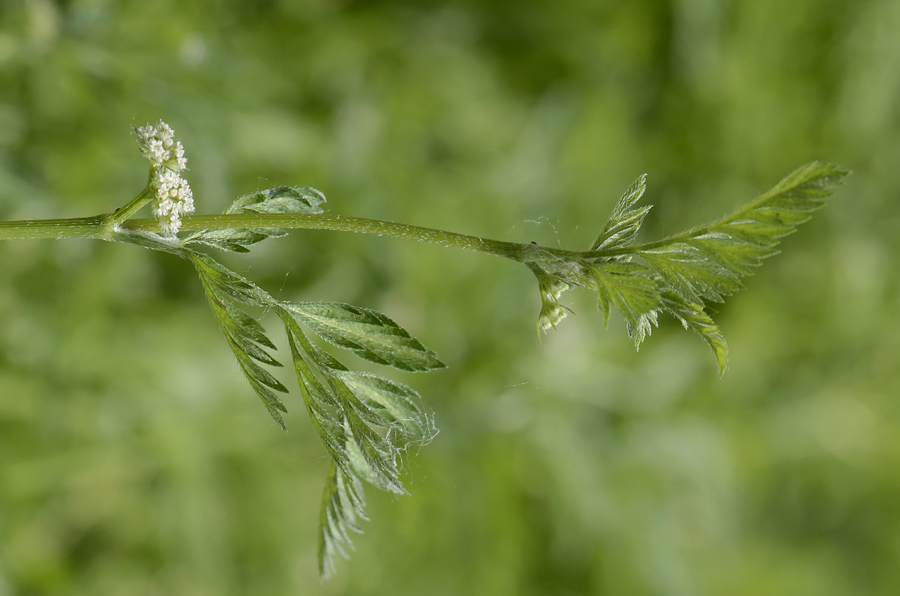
{"type": "Point", "coordinates": [363, 403]}
{"type": "Point", "coordinates": [372, 458]}
{"type": "Point", "coordinates": [365, 423]}
{"type": "Point", "coordinates": [227, 282]}
{"type": "Point", "coordinates": [694, 318]}
{"type": "Point", "coordinates": [343, 507]}
{"type": "Point", "coordinates": [244, 335]}
{"type": "Point", "coordinates": [252, 329]}
{"type": "Point", "coordinates": [396, 407]}
{"type": "Point", "coordinates": [324, 407]}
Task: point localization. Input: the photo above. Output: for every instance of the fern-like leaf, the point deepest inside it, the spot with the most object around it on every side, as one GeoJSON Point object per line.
{"type": "Point", "coordinates": [366, 422]}
{"type": "Point", "coordinates": [244, 335]}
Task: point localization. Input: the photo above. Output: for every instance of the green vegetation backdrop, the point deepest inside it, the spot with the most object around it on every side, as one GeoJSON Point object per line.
{"type": "Point", "coordinates": [134, 458]}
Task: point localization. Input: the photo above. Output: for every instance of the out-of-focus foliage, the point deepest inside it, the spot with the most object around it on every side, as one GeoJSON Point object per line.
{"type": "Point", "coordinates": [133, 459]}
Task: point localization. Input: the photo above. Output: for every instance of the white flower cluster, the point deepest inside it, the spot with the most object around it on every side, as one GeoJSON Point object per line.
{"type": "Point", "coordinates": [158, 144]}
{"type": "Point", "coordinates": [172, 193]}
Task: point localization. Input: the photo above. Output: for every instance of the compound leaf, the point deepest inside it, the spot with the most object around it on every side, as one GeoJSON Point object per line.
{"type": "Point", "coordinates": [682, 273]}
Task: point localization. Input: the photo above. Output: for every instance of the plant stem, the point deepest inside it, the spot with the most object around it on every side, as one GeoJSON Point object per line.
{"type": "Point", "coordinates": [103, 227]}
{"type": "Point", "coordinates": [76, 227]}
{"type": "Point", "coordinates": [133, 206]}
{"type": "Point", "coordinates": [521, 252]}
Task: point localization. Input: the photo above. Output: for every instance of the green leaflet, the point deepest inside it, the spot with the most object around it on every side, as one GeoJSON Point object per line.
{"type": "Point", "coordinates": [693, 274]}
{"type": "Point", "coordinates": [624, 285]}
{"type": "Point", "coordinates": [369, 334]}
{"type": "Point", "coordinates": [343, 507]}
{"type": "Point", "coordinates": [694, 318]}
{"type": "Point", "coordinates": [245, 339]}
{"type": "Point", "coordinates": [282, 199]}
{"type": "Point", "coordinates": [229, 283]}
{"type": "Point", "coordinates": [624, 223]}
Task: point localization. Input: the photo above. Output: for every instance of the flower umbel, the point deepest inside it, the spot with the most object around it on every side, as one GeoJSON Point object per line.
{"type": "Point", "coordinates": [172, 196]}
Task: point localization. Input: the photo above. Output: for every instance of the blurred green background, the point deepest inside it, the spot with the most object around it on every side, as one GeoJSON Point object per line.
{"type": "Point", "coordinates": [135, 460]}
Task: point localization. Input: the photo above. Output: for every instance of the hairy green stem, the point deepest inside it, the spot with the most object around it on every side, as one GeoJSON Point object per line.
{"type": "Point", "coordinates": [76, 227]}
{"type": "Point", "coordinates": [103, 227]}
{"type": "Point", "coordinates": [521, 252]}
{"type": "Point", "coordinates": [133, 206]}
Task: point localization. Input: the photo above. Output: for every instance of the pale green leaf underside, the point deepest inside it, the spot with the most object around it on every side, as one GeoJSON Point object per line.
{"type": "Point", "coordinates": [707, 262]}
{"type": "Point", "coordinates": [283, 199]}
{"type": "Point", "coordinates": [624, 223]}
